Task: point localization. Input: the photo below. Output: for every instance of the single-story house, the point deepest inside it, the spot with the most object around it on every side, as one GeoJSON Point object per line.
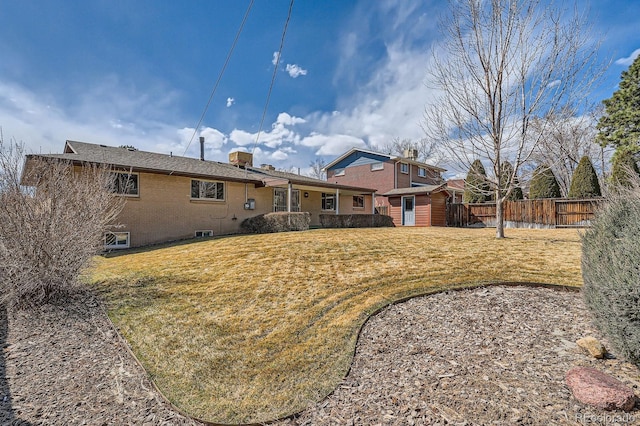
{"type": "Point", "coordinates": [173, 197]}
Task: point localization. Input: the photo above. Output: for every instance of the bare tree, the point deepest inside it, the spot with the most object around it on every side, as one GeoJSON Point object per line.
{"type": "Point", "coordinates": [565, 138]}
{"type": "Point", "coordinates": [426, 149]}
{"type": "Point", "coordinates": [503, 63]}
{"type": "Point", "coordinates": [317, 169]}
{"type": "Point", "coordinates": [53, 218]}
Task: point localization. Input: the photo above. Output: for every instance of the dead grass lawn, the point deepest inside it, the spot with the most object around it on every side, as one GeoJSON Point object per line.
{"type": "Point", "coordinates": [252, 328]}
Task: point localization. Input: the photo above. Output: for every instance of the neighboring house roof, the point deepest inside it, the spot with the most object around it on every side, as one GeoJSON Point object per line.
{"type": "Point", "coordinates": [143, 161]}
{"type": "Point", "coordinates": [395, 158]}
{"type": "Point", "coordinates": [416, 190]}
{"type": "Point", "coordinates": [456, 184]}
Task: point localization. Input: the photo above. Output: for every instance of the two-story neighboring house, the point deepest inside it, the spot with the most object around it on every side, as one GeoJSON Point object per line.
{"type": "Point", "coordinates": [412, 192]}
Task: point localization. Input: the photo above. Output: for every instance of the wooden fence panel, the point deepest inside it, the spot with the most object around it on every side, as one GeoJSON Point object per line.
{"type": "Point", "coordinates": [553, 213]}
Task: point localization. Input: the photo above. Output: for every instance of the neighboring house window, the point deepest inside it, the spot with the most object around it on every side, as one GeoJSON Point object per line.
{"type": "Point", "coordinates": [378, 165]}
{"type": "Point", "coordinates": [404, 168]}
{"type": "Point", "coordinates": [339, 172]}
{"type": "Point", "coordinates": [328, 201]}
{"type": "Point", "coordinates": [116, 240]}
{"type": "Point", "coordinates": [422, 172]}
{"type": "Point", "coordinates": [358, 201]}
{"type": "Point", "coordinates": [125, 183]}
{"type": "Point", "coordinates": [206, 190]}
{"type": "Point", "coordinates": [204, 233]}
{"type": "Point", "coordinates": [280, 200]}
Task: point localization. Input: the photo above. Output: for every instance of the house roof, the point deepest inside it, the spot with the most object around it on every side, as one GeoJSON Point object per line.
{"type": "Point", "coordinates": [456, 184]}
{"type": "Point", "coordinates": [416, 190]}
{"type": "Point", "coordinates": [395, 158]}
{"type": "Point", "coordinates": [143, 161]}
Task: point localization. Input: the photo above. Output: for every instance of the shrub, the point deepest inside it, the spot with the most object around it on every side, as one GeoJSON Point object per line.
{"type": "Point", "coordinates": [476, 187]}
{"type": "Point", "coordinates": [506, 170]}
{"type": "Point", "coordinates": [277, 222]}
{"type": "Point", "coordinates": [624, 167]}
{"type": "Point", "coordinates": [355, 221]}
{"type": "Point", "coordinates": [544, 183]}
{"type": "Point", "coordinates": [51, 229]}
{"type": "Point", "coordinates": [584, 183]}
{"type": "Point", "coordinates": [610, 259]}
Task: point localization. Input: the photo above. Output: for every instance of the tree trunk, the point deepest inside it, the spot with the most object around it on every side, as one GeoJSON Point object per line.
{"type": "Point", "coordinates": [499, 216]}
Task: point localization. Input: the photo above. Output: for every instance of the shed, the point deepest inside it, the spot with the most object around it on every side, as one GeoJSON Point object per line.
{"type": "Point", "coordinates": [418, 206]}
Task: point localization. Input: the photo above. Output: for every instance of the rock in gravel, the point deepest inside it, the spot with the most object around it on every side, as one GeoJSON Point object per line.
{"type": "Point", "coordinates": [596, 388]}
{"type": "Point", "coordinates": [593, 346]}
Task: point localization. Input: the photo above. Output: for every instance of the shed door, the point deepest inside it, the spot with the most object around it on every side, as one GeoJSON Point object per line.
{"type": "Point", "coordinates": [408, 210]}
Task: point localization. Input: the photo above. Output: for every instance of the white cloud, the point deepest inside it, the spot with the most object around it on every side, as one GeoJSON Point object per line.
{"type": "Point", "coordinates": [628, 60]}
{"type": "Point", "coordinates": [295, 71]}
{"type": "Point", "coordinates": [279, 155]}
{"type": "Point", "coordinates": [288, 120]}
{"type": "Point", "coordinates": [230, 101]}
{"type": "Point", "coordinates": [332, 144]}
{"type": "Point", "coordinates": [280, 133]}
{"type": "Point", "coordinates": [276, 57]}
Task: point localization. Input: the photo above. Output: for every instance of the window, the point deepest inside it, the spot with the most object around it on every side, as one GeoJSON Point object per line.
{"type": "Point", "coordinates": [378, 165]}
{"type": "Point", "coordinates": [280, 200]}
{"type": "Point", "coordinates": [204, 234]}
{"type": "Point", "coordinates": [422, 172]}
{"type": "Point", "coordinates": [404, 168]}
{"type": "Point", "coordinates": [339, 172]}
{"type": "Point", "coordinates": [358, 201]}
{"type": "Point", "coordinates": [328, 201]}
{"type": "Point", "coordinates": [116, 240]}
{"type": "Point", "coordinates": [125, 183]}
{"type": "Point", "coordinates": [202, 189]}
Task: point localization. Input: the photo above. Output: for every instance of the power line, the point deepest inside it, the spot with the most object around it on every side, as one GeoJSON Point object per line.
{"type": "Point", "coordinates": [224, 67]}
{"type": "Point", "coordinates": [273, 77]}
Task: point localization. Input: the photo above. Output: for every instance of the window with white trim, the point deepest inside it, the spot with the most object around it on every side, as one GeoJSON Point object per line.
{"type": "Point", "coordinates": [116, 240]}
{"type": "Point", "coordinates": [404, 168]}
{"type": "Point", "coordinates": [207, 190]}
{"type": "Point", "coordinates": [339, 172]}
{"type": "Point", "coordinates": [125, 183]}
{"type": "Point", "coordinates": [378, 165]}
{"type": "Point", "coordinates": [280, 200]}
{"type": "Point", "coordinates": [207, 233]}
{"type": "Point", "coordinates": [358, 201]}
{"type": "Point", "coordinates": [328, 201]}
{"type": "Point", "coordinates": [422, 172]}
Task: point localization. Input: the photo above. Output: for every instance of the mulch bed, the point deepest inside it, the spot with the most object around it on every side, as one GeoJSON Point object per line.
{"type": "Point", "coordinates": [493, 355]}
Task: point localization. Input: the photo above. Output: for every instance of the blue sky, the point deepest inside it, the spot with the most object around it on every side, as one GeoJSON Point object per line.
{"type": "Point", "coordinates": [139, 73]}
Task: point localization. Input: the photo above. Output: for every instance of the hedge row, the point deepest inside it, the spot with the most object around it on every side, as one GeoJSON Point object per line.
{"type": "Point", "coordinates": [277, 222]}
{"type": "Point", "coordinates": [355, 221]}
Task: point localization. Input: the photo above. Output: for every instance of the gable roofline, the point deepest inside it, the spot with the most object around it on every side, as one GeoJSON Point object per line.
{"type": "Point", "coordinates": [415, 190]}
{"type": "Point", "coordinates": [151, 162]}
{"type": "Point", "coordinates": [395, 158]}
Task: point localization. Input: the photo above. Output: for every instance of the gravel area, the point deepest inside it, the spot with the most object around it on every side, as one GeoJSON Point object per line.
{"type": "Point", "coordinates": [488, 356]}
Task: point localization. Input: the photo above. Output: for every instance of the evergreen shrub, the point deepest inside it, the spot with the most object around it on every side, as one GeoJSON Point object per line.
{"type": "Point", "coordinates": [611, 271]}
{"type": "Point", "coordinates": [277, 222]}
{"type": "Point", "coordinates": [544, 183]}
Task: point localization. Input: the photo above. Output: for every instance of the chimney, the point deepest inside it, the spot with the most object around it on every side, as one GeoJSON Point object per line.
{"type": "Point", "coordinates": [411, 154]}
{"type": "Point", "coordinates": [201, 148]}
{"type": "Point", "coordinates": [241, 159]}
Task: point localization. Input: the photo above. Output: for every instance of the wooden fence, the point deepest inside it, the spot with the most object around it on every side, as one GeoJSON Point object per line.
{"type": "Point", "coordinates": [545, 213]}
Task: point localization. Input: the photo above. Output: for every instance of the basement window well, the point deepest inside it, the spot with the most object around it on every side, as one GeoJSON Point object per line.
{"type": "Point", "coordinates": [116, 240]}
